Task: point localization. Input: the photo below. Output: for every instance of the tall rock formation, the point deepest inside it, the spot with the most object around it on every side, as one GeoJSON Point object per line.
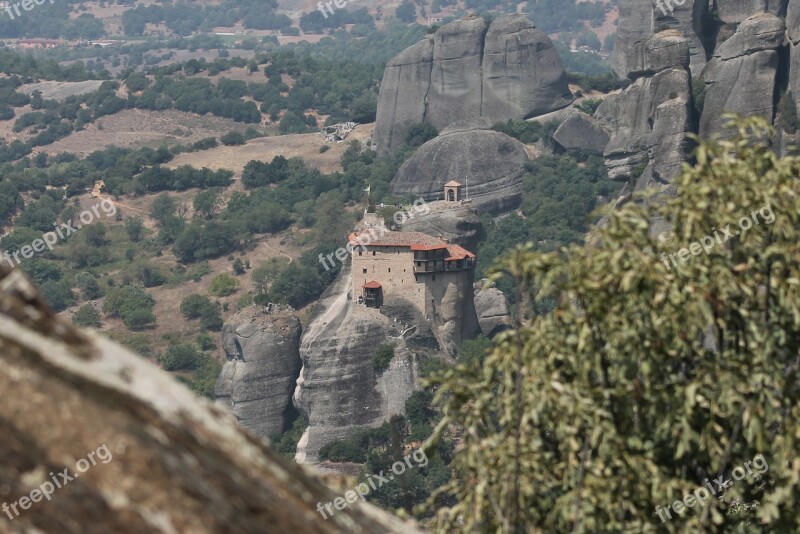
{"type": "Point", "coordinates": [741, 76]}
{"type": "Point", "coordinates": [162, 459]}
{"type": "Point", "coordinates": [649, 120]}
{"type": "Point", "coordinates": [488, 164]}
{"type": "Point", "coordinates": [263, 350]}
{"type": "Point", "coordinates": [503, 70]}
{"type": "Point", "coordinates": [338, 390]}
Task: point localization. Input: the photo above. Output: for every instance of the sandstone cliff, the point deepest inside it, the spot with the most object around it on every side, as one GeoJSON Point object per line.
{"type": "Point", "coordinates": [257, 381]}
{"type": "Point", "coordinates": [172, 462]}
{"type": "Point", "coordinates": [503, 70]}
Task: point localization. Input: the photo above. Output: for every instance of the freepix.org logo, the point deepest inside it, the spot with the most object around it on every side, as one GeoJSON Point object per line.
{"type": "Point", "coordinates": [27, 5]}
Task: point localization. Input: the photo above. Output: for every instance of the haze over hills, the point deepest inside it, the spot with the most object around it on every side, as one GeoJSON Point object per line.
{"type": "Point", "coordinates": [483, 231]}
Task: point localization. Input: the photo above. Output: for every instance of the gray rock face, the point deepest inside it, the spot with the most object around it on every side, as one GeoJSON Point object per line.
{"type": "Point", "coordinates": [489, 164]}
{"type": "Point", "coordinates": [741, 76]}
{"type": "Point", "coordinates": [167, 460]}
{"type": "Point", "coordinates": [735, 11]}
{"type": "Point", "coordinates": [635, 25]}
{"type": "Point", "coordinates": [580, 130]}
{"type": "Point", "coordinates": [403, 95]}
{"type": "Point", "coordinates": [649, 120]}
{"type": "Point", "coordinates": [492, 308]}
{"type": "Point", "coordinates": [661, 51]}
{"type": "Point", "coordinates": [505, 70]}
{"type": "Point", "coordinates": [522, 73]}
{"type": "Point", "coordinates": [337, 389]}
{"type": "Point", "coordinates": [686, 19]}
{"type": "Point", "coordinates": [257, 381]}
{"type": "Point", "coordinates": [456, 224]}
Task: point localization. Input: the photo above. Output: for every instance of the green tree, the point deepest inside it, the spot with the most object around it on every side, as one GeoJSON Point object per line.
{"type": "Point", "coordinates": [384, 355]}
{"type": "Point", "coordinates": [181, 357]}
{"type": "Point", "coordinates": [223, 285]}
{"type": "Point", "coordinates": [162, 209]}
{"type": "Point", "coordinates": [649, 377]}
{"type": "Point", "coordinates": [134, 226]}
{"type": "Point", "coordinates": [87, 316]}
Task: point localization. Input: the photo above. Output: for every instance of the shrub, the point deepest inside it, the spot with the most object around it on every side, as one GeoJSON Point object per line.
{"type": "Point", "coordinates": [193, 305]}
{"type": "Point", "coordinates": [384, 355]}
{"type": "Point", "coordinates": [87, 316]}
{"type": "Point", "coordinates": [181, 357]}
{"type": "Point", "coordinates": [233, 138]}
{"type": "Point", "coordinates": [223, 285]}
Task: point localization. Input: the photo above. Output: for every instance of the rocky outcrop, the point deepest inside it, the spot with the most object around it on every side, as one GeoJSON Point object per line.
{"type": "Point", "coordinates": [338, 390]}
{"type": "Point", "coordinates": [263, 350]}
{"type": "Point", "coordinates": [492, 309]}
{"type": "Point", "coordinates": [580, 130]}
{"type": "Point", "coordinates": [488, 164]}
{"type": "Point", "coordinates": [687, 19]}
{"type": "Point", "coordinates": [162, 459]}
{"type": "Point", "coordinates": [507, 69]}
{"type": "Point", "coordinates": [457, 224]}
{"type": "Point", "coordinates": [522, 73]}
{"type": "Point", "coordinates": [661, 51]}
{"type": "Point", "coordinates": [742, 74]}
{"type": "Point", "coordinates": [635, 26]}
{"type": "Point", "coordinates": [649, 120]}
{"type": "Point", "coordinates": [403, 95]}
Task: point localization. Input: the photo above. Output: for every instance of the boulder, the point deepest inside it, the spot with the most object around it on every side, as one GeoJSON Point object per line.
{"type": "Point", "coordinates": [662, 51]}
{"type": "Point", "coordinates": [492, 309]}
{"type": "Point", "coordinates": [580, 130]}
{"type": "Point", "coordinates": [687, 18]}
{"type": "Point", "coordinates": [470, 69]}
{"type": "Point", "coordinates": [489, 164]}
{"type": "Point", "coordinates": [522, 72]}
{"type": "Point", "coordinates": [257, 381]}
{"type": "Point", "coordinates": [742, 74]}
{"type": "Point", "coordinates": [162, 459]}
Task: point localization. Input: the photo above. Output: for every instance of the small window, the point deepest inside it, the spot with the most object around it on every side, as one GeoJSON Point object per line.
{"type": "Point", "coordinates": [434, 277]}
{"type": "Point", "coordinates": [390, 269]}
{"type": "Point", "coordinates": [373, 252]}
{"type": "Point", "coordinates": [363, 271]}
{"type": "Point", "coordinates": [359, 253]}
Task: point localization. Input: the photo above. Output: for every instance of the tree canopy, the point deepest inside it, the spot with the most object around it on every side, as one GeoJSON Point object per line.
{"type": "Point", "coordinates": [648, 378]}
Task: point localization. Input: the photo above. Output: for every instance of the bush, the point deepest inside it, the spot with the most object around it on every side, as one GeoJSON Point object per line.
{"type": "Point", "coordinates": [87, 316]}
{"type": "Point", "coordinates": [181, 357]}
{"type": "Point", "coordinates": [384, 355]}
{"type": "Point", "coordinates": [233, 138]}
{"type": "Point", "coordinates": [223, 285]}
{"type": "Point", "coordinates": [192, 306]}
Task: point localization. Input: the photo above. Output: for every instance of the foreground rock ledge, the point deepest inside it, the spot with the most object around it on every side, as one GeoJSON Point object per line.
{"type": "Point", "coordinates": [178, 463]}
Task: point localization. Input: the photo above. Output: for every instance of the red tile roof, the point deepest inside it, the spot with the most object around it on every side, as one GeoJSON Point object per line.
{"type": "Point", "coordinates": [372, 285]}
{"type": "Point", "coordinates": [395, 239]}
{"type": "Point", "coordinates": [458, 253]}
{"type": "Point", "coordinates": [415, 241]}
{"type": "Point", "coordinates": [452, 183]}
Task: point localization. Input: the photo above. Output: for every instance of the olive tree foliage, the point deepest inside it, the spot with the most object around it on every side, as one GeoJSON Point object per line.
{"type": "Point", "coordinates": [644, 381]}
